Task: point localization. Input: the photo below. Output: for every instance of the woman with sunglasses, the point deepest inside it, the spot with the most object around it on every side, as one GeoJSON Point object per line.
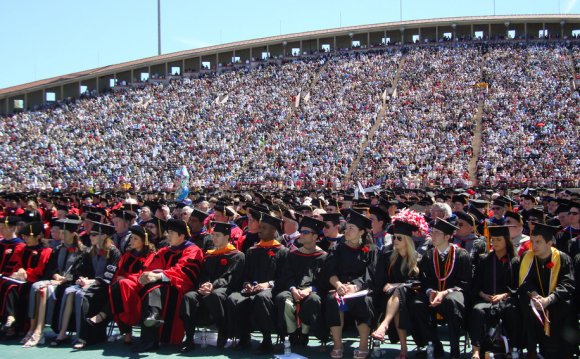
{"type": "Point", "coordinates": [95, 266]}
{"type": "Point", "coordinates": [100, 302]}
{"type": "Point", "coordinates": [350, 270]}
{"type": "Point", "coordinates": [395, 271]}
{"type": "Point", "coordinates": [494, 283]}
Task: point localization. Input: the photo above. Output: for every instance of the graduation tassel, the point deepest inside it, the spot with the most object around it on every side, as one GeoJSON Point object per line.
{"type": "Point", "coordinates": [486, 235]}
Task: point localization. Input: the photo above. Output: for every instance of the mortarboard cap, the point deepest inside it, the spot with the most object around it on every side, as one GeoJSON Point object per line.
{"type": "Point", "coordinates": [547, 232]}
{"type": "Point", "coordinates": [358, 220]}
{"type": "Point", "coordinates": [222, 227]}
{"type": "Point", "coordinates": [312, 223]}
{"type": "Point", "coordinates": [444, 226]}
{"type": "Point", "coordinates": [179, 226]}
{"type": "Point", "coordinates": [499, 231]}
{"type": "Point", "coordinates": [103, 228]}
{"type": "Point", "coordinates": [32, 229]}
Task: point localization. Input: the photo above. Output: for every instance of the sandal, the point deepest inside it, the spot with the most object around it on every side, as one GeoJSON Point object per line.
{"type": "Point", "coordinates": [97, 319]}
{"type": "Point", "coordinates": [378, 337]}
{"type": "Point", "coordinates": [360, 354]}
{"type": "Point", "coordinates": [34, 340]}
{"type": "Point", "coordinates": [26, 337]}
{"type": "Point", "coordinates": [80, 345]}
{"type": "Point", "coordinates": [58, 342]}
{"type": "Point", "coordinates": [337, 353]}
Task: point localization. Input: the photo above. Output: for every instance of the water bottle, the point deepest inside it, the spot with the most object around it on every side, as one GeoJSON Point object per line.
{"type": "Point", "coordinates": [430, 351]}
{"type": "Point", "coordinates": [203, 339]}
{"type": "Point", "coordinates": [287, 347]}
{"type": "Point", "coordinates": [490, 355]}
{"type": "Point", "coordinates": [515, 354]}
{"type": "Point", "coordinates": [376, 349]}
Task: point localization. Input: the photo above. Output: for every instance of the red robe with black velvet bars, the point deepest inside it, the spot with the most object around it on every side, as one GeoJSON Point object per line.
{"type": "Point", "coordinates": [123, 297]}
{"type": "Point", "coordinates": [11, 251]}
{"type": "Point", "coordinates": [35, 260]}
{"type": "Point", "coordinates": [182, 265]}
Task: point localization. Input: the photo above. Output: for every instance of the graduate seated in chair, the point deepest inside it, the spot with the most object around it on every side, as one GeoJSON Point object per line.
{"type": "Point", "coordinates": [299, 304]}
{"type": "Point", "coordinates": [173, 272]}
{"type": "Point", "coordinates": [546, 297]}
{"type": "Point", "coordinates": [222, 275]}
{"type": "Point", "coordinates": [396, 272]}
{"type": "Point", "coordinates": [253, 307]}
{"type": "Point", "coordinates": [494, 290]}
{"type": "Point", "coordinates": [445, 283]}
{"type": "Point", "coordinates": [350, 270]}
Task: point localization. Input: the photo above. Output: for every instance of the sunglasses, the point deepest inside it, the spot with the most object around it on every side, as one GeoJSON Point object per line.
{"type": "Point", "coordinates": [398, 238]}
{"type": "Point", "coordinates": [307, 232]}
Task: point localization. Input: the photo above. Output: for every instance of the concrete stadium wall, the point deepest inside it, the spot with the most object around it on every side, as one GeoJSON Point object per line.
{"type": "Point", "coordinates": [190, 62]}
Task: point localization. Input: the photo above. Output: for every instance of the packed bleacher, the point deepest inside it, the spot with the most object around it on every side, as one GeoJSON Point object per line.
{"type": "Point", "coordinates": [247, 127]}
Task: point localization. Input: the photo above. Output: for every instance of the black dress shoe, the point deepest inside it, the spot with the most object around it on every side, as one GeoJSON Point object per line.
{"type": "Point", "coordinates": [455, 353]}
{"type": "Point", "coordinates": [265, 348]}
{"type": "Point", "coordinates": [222, 339]}
{"type": "Point", "coordinates": [304, 339]}
{"type": "Point", "coordinates": [438, 350]}
{"type": "Point", "coordinates": [187, 347]}
{"type": "Point", "coordinates": [145, 347]}
{"type": "Point", "coordinates": [294, 338]}
{"type": "Point", "coordinates": [153, 320]}
{"type": "Point", "coordinates": [243, 343]}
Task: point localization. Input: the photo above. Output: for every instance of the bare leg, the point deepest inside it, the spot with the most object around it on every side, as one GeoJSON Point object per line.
{"type": "Point", "coordinates": [402, 336]}
{"type": "Point", "coordinates": [363, 331]}
{"type": "Point", "coordinates": [41, 315]}
{"type": "Point", "coordinates": [474, 351]}
{"type": "Point", "coordinates": [68, 308]}
{"type": "Point", "coordinates": [392, 309]}
{"type": "Point", "coordinates": [336, 333]}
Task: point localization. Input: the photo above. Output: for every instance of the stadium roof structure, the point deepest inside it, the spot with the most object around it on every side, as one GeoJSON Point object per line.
{"type": "Point", "coordinates": [248, 52]}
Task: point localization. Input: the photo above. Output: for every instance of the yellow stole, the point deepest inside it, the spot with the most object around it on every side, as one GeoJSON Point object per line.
{"type": "Point", "coordinates": [530, 261]}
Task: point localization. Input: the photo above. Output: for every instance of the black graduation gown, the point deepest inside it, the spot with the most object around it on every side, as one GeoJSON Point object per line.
{"type": "Point", "coordinates": [203, 240]}
{"type": "Point", "coordinates": [302, 270]}
{"type": "Point", "coordinates": [385, 273]}
{"type": "Point", "coordinates": [263, 264]}
{"type": "Point", "coordinates": [355, 266]}
{"type": "Point", "coordinates": [476, 247]}
{"type": "Point", "coordinates": [453, 305]}
{"type": "Point", "coordinates": [328, 244]}
{"type": "Point", "coordinates": [495, 276]}
{"type": "Point", "coordinates": [563, 240]}
{"type": "Point", "coordinates": [562, 312]}
{"type": "Point", "coordinates": [250, 240]}
{"type": "Point", "coordinates": [225, 272]}
{"type": "Point", "coordinates": [95, 296]}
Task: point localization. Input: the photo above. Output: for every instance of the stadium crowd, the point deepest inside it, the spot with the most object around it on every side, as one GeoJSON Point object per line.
{"type": "Point", "coordinates": [303, 122]}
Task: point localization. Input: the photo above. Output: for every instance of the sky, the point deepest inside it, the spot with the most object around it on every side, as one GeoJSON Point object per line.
{"type": "Point", "coordinates": [42, 39]}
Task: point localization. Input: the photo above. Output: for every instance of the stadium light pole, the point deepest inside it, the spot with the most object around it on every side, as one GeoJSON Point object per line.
{"type": "Point", "coordinates": [158, 27]}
